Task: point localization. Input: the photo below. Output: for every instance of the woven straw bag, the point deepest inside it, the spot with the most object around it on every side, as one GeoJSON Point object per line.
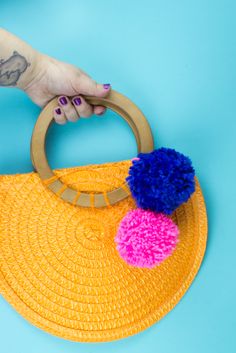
{"type": "Point", "coordinates": [59, 266]}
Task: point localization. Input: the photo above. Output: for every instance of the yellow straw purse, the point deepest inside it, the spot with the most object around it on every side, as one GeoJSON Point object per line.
{"type": "Point", "coordinates": [59, 264]}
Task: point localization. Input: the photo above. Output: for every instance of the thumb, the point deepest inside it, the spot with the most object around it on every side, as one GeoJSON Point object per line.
{"type": "Point", "coordinates": [86, 85]}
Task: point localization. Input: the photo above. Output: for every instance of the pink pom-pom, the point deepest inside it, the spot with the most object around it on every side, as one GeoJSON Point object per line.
{"type": "Point", "coordinates": [135, 159]}
{"type": "Point", "coordinates": [146, 238]}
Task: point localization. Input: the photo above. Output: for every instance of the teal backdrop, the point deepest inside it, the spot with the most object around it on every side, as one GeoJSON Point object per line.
{"type": "Point", "coordinates": [176, 61]}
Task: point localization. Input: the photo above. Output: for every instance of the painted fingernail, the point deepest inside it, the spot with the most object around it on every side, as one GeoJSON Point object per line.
{"type": "Point", "coordinates": [106, 85]}
{"type": "Point", "coordinates": [58, 111]}
{"type": "Point", "coordinates": [63, 100]}
{"type": "Point", "coordinates": [77, 101]}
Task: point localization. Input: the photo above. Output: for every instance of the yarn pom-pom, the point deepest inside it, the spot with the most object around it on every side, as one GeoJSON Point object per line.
{"type": "Point", "coordinates": [161, 180]}
{"type": "Point", "coordinates": [145, 238]}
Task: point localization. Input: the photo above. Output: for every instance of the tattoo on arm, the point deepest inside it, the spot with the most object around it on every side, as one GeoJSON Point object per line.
{"type": "Point", "coordinates": [12, 68]}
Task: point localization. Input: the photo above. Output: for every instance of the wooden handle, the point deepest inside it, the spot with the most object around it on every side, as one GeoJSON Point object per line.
{"type": "Point", "coordinates": [119, 104]}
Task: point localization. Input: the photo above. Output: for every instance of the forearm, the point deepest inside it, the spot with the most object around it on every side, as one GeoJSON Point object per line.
{"type": "Point", "coordinates": [18, 61]}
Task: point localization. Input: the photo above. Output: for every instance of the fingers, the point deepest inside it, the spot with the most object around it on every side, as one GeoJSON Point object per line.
{"type": "Point", "coordinates": [86, 85]}
{"type": "Point", "coordinates": [73, 110]}
{"type": "Point", "coordinates": [78, 107]}
{"type": "Point", "coordinates": [65, 111]}
{"type": "Point", "coordinates": [99, 110]}
{"type": "Point", "coordinates": [59, 116]}
{"type": "Point", "coordinates": [68, 109]}
{"type": "Point", "coordinates": [83, 109]}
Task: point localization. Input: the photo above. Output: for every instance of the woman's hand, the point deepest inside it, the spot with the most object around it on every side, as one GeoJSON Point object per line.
{"type": "Point", "coordinates": [43, 78]}
{"type": "Point", "coordinates": [52, 78]}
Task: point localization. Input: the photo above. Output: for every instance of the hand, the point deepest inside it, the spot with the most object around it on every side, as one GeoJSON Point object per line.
{"type": "Point", "coordinates": [52, 78]}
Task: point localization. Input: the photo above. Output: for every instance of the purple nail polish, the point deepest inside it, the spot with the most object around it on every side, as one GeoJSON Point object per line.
{"type": "Point", "coordinates": [77, 101]}
{"type": "Point", "coordinates": [63, 100]}
{"type": "Point", "coordinates": [106, 85]}
{"type": "Point", "coordinates": [58, 111]}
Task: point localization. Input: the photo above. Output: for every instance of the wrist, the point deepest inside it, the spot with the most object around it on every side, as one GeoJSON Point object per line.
{"type": "Point", "coordinates": [33, 71]}
{"type": "Point", "coordinates": [18, 61]}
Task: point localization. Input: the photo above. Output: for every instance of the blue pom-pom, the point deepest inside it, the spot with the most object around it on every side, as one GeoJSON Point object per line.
{"type": "Point", "coordinates": [161, 180]}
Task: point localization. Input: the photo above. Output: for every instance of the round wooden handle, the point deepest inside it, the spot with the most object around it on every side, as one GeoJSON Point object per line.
{"type": "Point", "coordinates": [119, 104]}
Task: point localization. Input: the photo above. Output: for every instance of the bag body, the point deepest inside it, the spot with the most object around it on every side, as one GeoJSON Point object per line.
{"type": "Point", "coordinates": [59, 267]}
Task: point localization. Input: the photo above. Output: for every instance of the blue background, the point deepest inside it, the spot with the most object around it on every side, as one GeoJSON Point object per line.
{"type": "Point", "coordinates": [176, 61]}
